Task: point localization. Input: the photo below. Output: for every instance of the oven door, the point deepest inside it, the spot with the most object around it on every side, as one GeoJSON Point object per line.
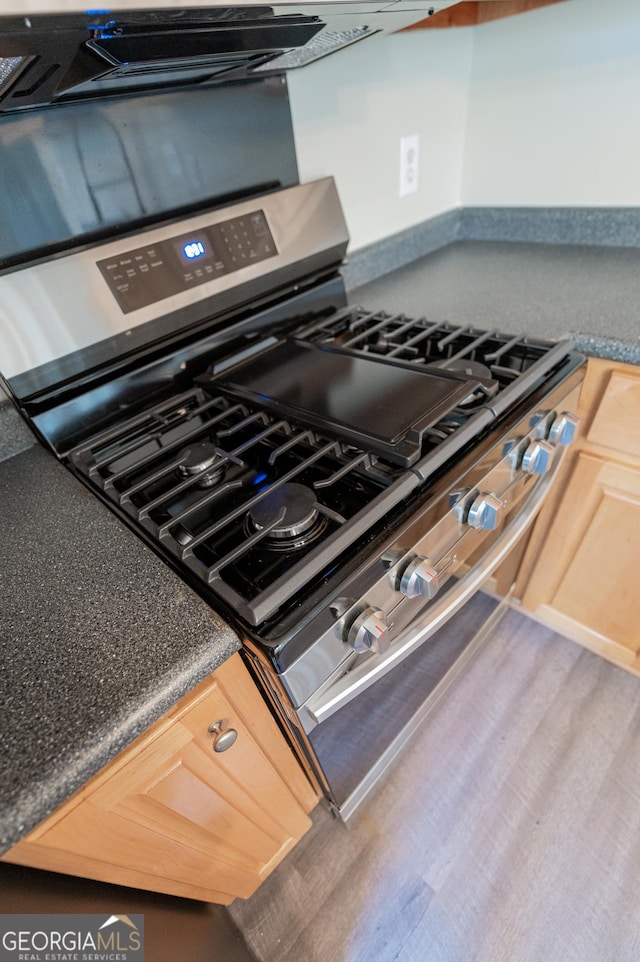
{"type": "Point", "coordinates": [357, 725]}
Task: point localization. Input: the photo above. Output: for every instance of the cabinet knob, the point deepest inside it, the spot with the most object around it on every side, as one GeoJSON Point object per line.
{"type": "Point", "coordinates": [223, 739]}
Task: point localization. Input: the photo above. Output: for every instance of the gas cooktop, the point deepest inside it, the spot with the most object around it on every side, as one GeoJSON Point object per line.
{"type": "Point", "coordinates": [260, 476]}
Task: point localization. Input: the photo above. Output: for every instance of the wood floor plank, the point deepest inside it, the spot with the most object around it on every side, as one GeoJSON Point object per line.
{"type": "Point", "coordinates": [508, 830]}
{"type": "Point", "coordinates": [367, 929]}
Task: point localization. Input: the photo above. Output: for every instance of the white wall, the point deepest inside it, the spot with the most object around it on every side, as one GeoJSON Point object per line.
{"type": "Point", "coordinates": [350, 110]}
{"type": "Point", "coordinates": [540, 109]}
{"type": "Point", "coordinates": [554, 111]}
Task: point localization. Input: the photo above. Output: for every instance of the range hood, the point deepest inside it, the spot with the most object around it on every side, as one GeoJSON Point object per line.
{"type": "Point", "coordinates": [49, 58]}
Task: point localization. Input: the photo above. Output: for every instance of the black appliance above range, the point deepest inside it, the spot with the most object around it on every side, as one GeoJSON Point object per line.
{"type": "Point", "coordinates": [53, 57]}
{"type": "Point", "coordinates": [324, 475]}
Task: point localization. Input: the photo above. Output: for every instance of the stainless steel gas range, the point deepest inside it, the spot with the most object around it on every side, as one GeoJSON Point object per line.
{"type": "Point", "coordinates": [337, 482]}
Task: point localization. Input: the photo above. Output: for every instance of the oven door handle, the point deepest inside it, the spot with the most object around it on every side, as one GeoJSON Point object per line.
{"type": "Point", "coordinates": [365, 673]}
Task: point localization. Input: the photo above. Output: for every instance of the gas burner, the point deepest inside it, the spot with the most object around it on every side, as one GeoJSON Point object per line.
{"type": "Point", "coordinates": [470, 368]}
{"type": "Point", "coordinates": [488, 387]}
{"type": "Point", "coordinates": [199, 460]}
{"type": "Point", "coordinates": [292, 510]}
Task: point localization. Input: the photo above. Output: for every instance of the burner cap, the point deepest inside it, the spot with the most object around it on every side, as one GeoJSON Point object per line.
{"type": "Point", "coordinates": [295, 506]}
{"type": "Point", "coordinates": [198, 460]}
{"type": "Point", "coordinates": [478, 371]}
{"type": "Point", "coordinates": [470, 368]}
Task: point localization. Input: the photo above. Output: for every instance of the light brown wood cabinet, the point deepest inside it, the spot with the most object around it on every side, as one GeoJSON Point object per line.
{"type": "Point", "coordinates": [580, 570]}
{"type": "Point", "coordinates": [470, 13]}
{"type": "Point", "coordinates": [172, 815]}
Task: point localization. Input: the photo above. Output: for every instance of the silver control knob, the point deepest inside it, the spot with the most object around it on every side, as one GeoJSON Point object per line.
{"type": "Point", "coordinates": [513, 449]}
{"type": "Point", "coordinates": [541, 422]}
{"type": "Point", "coordinates": [419, 579]}
{"type": "Point", "coordinates": [563, 430]}
{"type": "Point", "coordinates": [537, 458]}
{"type": "Point", "coordinates": [485, 512]}
{"type": "Point", "coordinates": [370, 631]}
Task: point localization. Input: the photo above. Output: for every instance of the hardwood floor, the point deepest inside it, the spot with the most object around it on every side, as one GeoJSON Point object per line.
{"type": "Point", "coordinates": [508, 831]}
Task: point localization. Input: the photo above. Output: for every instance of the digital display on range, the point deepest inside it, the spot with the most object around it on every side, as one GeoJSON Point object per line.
{"type": "Point", "coordinates": [195, 249]}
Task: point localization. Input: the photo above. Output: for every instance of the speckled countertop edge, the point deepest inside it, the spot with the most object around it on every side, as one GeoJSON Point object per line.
{"type": "Point", "coordinates": [98, 638]}
{"type": "Point", "coordinates": [43, 795]}
{"type": "Point", "coordinates": [607, 348]}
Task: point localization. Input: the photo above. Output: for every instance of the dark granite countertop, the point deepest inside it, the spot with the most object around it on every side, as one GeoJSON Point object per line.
{"type": "Point", "coordinates": [15, 436]}
{"type": "Point", "coordinates": [98, 637]}
{"type": "Point", "coordinates": [591, 294]}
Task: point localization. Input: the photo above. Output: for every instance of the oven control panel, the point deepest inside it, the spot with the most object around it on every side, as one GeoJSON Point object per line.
{"type": "Point", "coordinates": [397, 600]}
{"type": "Point", "coordinates": [137, 290]}
{"type": "Point", "coordinates": [144, 275]}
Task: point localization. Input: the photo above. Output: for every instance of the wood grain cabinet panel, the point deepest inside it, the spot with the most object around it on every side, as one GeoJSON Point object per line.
{"type": "Point", "coordinates": [579, 574]}
{"type": "Point", "coordinates": [172, 815]}
{"type": "Point", "coordinates": [616, 423]}
{"type": "Point", "coordinates": [592, 592]}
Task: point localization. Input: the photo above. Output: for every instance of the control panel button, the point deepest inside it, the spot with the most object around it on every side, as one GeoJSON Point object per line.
{"type": "Point", "coordinates": [369, 631]}
{"type": "Point", "coordinates": [485, 512]}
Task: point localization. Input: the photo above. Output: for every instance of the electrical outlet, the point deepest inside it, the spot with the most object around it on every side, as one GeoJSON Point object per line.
{"type": "Point", "coordinates": [409, 147]}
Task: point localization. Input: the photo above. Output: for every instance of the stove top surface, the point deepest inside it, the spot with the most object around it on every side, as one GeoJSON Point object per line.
{"type": "Point", "coordinates": [253, 504]}
{"type": "Point", "coordinates": [259, 479]}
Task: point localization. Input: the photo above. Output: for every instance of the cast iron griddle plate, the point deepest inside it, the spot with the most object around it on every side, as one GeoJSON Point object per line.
{"type": "Point", "coordinates": [383, 407]}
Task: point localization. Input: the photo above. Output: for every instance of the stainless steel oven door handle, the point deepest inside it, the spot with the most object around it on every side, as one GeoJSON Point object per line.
{"type": "Point", "coordinates": [322, 705]}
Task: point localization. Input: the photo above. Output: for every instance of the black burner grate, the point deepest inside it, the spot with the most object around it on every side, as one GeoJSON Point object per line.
{"type": "Point", "coordinates": [139, 466]}
{"type": "Point", "coordinates": [423, 342]}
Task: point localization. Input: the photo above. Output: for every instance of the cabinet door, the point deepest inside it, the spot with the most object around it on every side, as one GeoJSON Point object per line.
{"type": "Point", "coordinates": [585, 581]}
{"type": "Point", "coordinates": [616, 422]}
{"type": "Point", "coordinates": [179, 817]}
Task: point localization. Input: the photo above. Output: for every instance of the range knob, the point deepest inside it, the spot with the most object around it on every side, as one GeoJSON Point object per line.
{"type": "Point", "coordinates": [563, 430]}
{"type": "Point", "coordinates": [541, 422]}
{"type": "Point", "coordinates": [537, 457]}
{"type": "Point", "coordinates": [485, 512]}
{"type": "Point", "coordinates": [369, 632]}
{"type": "Point", "coordinates": [419, 579]}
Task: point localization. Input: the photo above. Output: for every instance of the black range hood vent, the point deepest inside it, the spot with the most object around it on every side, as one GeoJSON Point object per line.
{"type": "Point", "coordinates": [130, 44]}
{"type": "Point", "coordinates": [44, 59]}
{"type": "Point", "coordinates": [55, 58]}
